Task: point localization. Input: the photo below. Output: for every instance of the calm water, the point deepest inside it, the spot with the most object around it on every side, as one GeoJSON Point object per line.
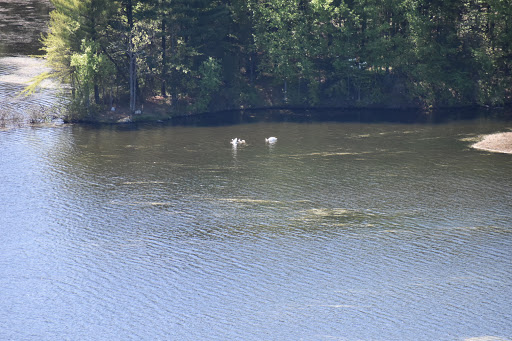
{"type": "Point", "coordinates": [340, 231]}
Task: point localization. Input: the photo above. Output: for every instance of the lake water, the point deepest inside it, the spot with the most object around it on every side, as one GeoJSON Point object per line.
{"type": "Point", "coordinates": [17, 109]}
{"type": "Point", "coordinates": [21, 24]}
{"type": "Point", "coordinates": [339, 231]}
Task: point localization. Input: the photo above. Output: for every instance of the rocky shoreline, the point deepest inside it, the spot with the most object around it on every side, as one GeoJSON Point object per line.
{"type": "Point", "coordinates": [498, 143]}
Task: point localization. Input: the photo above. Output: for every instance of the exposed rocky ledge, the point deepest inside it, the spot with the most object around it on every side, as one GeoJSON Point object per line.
{"type": "Point", "coordinates": [498, 143]}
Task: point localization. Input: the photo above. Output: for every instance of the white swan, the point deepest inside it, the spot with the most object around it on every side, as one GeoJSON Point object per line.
{"type": "Point", "coordinates": [236, 141]}
{"type": "Point", "coordinates": [271, 140]}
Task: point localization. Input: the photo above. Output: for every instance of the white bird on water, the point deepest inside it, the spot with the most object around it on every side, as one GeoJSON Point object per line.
{"type": "Point", "coordinates": [271, 140]}
{"type": "Point", "coordinates": [236, 141]}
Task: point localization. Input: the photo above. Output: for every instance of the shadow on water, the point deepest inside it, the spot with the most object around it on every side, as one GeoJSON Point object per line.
{"type": "Point", "coordinates": [235, 117]}
{"type": "Point", "coordinates": [316, 115]}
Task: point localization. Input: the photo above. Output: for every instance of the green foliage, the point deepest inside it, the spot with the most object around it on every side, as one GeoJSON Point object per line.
{"type": "Point", "coordinates": [90, 68]}
{"type": "Point", "coordinates": [35, 83]}
{"type": "Point", "coordinates": [210, 73]}
{"type": "Point", "coordinates": [297, 52]}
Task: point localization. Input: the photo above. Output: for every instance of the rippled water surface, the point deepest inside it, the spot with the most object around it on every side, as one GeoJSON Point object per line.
{"type": "Point", "coordinates": [16, 108]}
{"type": "Point", "coordinates": [339, 231]}
{"type": "Point", "coordinates": [21, 24]}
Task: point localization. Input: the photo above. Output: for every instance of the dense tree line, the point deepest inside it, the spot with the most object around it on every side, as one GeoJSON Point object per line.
{"type": "Point", "coordinates": [199, 55]}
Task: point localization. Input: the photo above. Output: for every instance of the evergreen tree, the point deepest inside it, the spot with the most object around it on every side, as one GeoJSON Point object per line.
{"type": "Point", "coordinates": [76, 37]}
{"type": "Point", "coordinates": [318, 52]}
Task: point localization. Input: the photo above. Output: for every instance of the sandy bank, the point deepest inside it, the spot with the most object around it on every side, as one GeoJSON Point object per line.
{"type": "Point", "coordinates": [499, 143]}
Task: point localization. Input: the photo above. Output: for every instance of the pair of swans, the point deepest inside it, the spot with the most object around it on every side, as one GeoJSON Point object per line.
{"type": "Point", "coordinates": [236, 141]}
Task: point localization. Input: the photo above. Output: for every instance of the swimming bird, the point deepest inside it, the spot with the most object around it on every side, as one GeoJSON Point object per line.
{"type": "Point", "coordinates": [271, 140]}
{"type": "Point", "coordinates": [236, 141]}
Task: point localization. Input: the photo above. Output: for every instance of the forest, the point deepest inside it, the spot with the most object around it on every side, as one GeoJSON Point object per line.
{"type": "Point", "coordinates": [192, 56]}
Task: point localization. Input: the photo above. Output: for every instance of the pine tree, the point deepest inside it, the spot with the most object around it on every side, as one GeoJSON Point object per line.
{"type": "Point", "coordinates": [76, 37]}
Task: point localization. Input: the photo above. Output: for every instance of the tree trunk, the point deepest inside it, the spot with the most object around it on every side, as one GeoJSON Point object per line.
{"type": "Point", "coordinates": [174, 50]}
{"type": "Point", "coordinates": [164, 60]}
{"type": "Point", "coordinates": [96, 94]}
{"type": "Point", "coordinates": [251, 67]}
{"type": "Point", "coordinates": [131, 55]}
{"type": "Point", "coordinates": [285, 91]}
{"type": "Point", "coordinates": [133, 79]}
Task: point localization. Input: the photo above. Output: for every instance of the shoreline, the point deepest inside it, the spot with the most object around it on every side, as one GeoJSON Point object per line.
{"type": "Point", "coordinates": [496, 143]}
{"type": "Point", "coordinates": [157, 109]}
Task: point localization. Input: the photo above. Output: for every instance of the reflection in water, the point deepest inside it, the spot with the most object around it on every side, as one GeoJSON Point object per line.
{"type": "Point", "coordinates": [342, 231]}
